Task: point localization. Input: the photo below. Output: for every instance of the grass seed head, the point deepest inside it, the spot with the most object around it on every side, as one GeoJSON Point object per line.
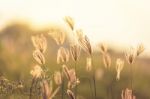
{"type": "Point", "coordinates": [84, 41]}
{"type": "Point", "coordinates": [127, 94]}
{"type": "Point", "coordinates": [88, 64]}
{"type": "Point", "coordinates": [119, 67]}
{"type": "Point", "coordinates": [103, 48]}
{"type": "Point", "coordinates": [130, 55]}
{"type": "Point", "coordinates": [36, 72]}
{"type": "Point", "coordinates": [58, 36]}
{"type": "Point", "coordinates": [39, 42]}
{"type": "Point", "coordinates": [39, 57]}
{"type": "Point", "coordinates": [107, 60]}
{"type": "Point", "coordinates": [69, 20]}
{"type": "Point", "coordinates": [140, 49]}
{"type": "Point", "coordinates": [62, 55]}
{"type": "Point", "coordinates": [57, 78]}
{"type": "Point", "coordinates": [75, 51]}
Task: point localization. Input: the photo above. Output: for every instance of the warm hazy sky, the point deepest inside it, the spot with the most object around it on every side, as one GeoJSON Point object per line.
{"type": "Point", "coordinates": [119, 21]}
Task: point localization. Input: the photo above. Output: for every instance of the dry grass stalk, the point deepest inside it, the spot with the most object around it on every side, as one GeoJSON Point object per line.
{"type": "Point", "coordinates": [62, 55]}
{"type": "Point", "coordinates": [88, 64]}
{"type": "Point", "coordinates": [58, 78]}
{"type": "Point", "coordinates": [36, 72]}
{"type": "Point", "coordinates": [75, 51]}
{"type": "Point", "coordinates": [140, 49]}
{"type": "Point", "coordinates": [107, 60]}
{"type": "Point", "coordinates": [70, 94]}
{"type": "Point", "coordinates": [39, 42]}
{"type": "Point", "coordinates": [39, 57]}
{"type": "Point", "coordinates": [69, 20]}
{"type": "Point", "coordinates": [127, 94]}
{"type": "Point", "coordinates": [119, 67]}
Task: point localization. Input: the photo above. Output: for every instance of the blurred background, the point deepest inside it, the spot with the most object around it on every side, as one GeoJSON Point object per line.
{"type": "Point", "coordinates": [118, 23]}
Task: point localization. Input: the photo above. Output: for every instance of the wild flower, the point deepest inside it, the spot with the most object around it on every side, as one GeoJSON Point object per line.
{"type": "Point", "coordinates": [36, 72]}
{"type": "Point", "coordinates": [75, 51]}
{"type": "Point", "coordinates": [69, 20]}
{"type": "Point", "coordinates": [119, 67]}
{"type": "Point", "coordinates": [58, 78]}
{"type": "Point", "coordinates": [39, 42]}
{"type": "Point", "coordinates": [39, 57]}
{"type": "Point", "coordinates": [62, 55]}
{"type": "Point", "coordinates": [140, 49]}
{"type": "Point", "coordinates": [127, 94]}
{"type": "Point", "coordinates": [107, 60]}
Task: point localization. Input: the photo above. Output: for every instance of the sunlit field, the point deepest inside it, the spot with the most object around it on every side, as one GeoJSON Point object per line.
{"type": "Point", "coordinates": [74, 49]}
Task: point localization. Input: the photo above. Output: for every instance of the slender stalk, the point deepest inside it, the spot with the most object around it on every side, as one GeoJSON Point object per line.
{"type": "Point", "coordinates": [94, 81]}
{"type": "Point", "coordinates": [131, 76]}
{"type": "Point", "coordinates": [62, 85]}
{"type": "Point", "coordinates": [90, 83]}
{"type": "Point", "coordinates": [76, 87]}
